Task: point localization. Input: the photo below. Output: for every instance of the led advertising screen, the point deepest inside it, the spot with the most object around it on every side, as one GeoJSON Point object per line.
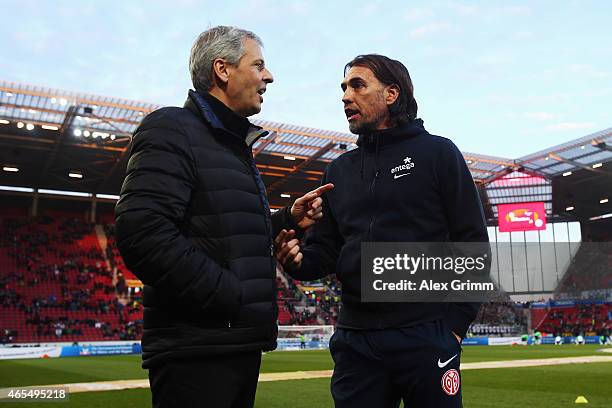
{"type": "Point", "coordinates": [521, 217]}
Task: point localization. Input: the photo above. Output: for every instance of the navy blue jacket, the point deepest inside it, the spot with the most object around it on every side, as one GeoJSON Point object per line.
{"type": "Point", "coordinates": [432, 198]}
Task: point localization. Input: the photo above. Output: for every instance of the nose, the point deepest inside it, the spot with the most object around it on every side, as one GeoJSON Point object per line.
{"type": "Point", "coordinates": [268, 78]}
{"type": "Point", "coordinates": [347, 97]}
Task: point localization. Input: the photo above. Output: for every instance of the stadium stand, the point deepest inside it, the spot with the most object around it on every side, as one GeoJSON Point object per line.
{"type": "Point", "coordinates": [592, 273]}
{"type": "Point", "coordinates": [302, 307]}
{"type": "Point", "coordinates": [113, 255]}
{"type": "Point", "coordinates": [56, 284]}
{"type": "Point", "coordinates": [587, 319]}
{"type": "Point", "coordinates": [585, 288]}
{"type": "Point", "coordinates": [500, 319]}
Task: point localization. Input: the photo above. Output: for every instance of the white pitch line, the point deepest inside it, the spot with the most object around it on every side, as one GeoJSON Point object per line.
{"type": "Point", "coordinates": [536, 362]}
{"type": "Point", "coordinates": [306, 375]}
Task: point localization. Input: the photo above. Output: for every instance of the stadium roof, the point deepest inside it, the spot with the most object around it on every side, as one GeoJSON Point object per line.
{"type": "Point", "coordinates": [580, 154]}
{"type": "Point", "coordinates": [74, 141]}
{"type": "Point", "coordinates": [54, 108]}
{"type": "Point", "coordinates": [518, 187]}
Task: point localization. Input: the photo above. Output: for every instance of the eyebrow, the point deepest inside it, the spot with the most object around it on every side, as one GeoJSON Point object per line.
{"type": "Point", "coordinates": [350, 81]}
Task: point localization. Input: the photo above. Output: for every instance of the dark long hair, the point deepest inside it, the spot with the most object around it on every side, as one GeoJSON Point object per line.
{"type": "Point", "coordinates": [391, 72]}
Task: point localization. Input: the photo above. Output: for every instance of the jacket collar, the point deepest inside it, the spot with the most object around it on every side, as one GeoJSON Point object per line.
{"type": "Point", "coordinates": [199, 105]}
{"type": "Point", "coordinates": [369, 141]}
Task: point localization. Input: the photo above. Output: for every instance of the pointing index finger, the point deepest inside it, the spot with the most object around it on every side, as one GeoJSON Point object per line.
{"type": "Point", "coordinates": [323, 189]}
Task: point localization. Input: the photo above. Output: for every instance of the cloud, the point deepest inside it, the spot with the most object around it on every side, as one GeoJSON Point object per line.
{"type": "Point", "coordinates": [595, 93]}
{"type": "Point", "coordinates": [540, 115]}
{"type": "Point", "coordinates": [299, 7]}
{"type": "Point", "coordinates": [522, 35]}
{"type": "Point", "coordinates": [431, 28]}
{"type": "Point", "coordinates": [567, 126]}
{"type": "Point", "coordinates": [370, 9]}
{"type": "Point", "coordinates": [587, 70]}
{"type": "Point", "coordinates": [514, 10]}
{"type": "Point", "coordinates": [418, 13]}
{"type": "Point", "coordinates": [512, 99]}
{"type": "Point", "coordinates": [532, 115]}
{"type": "Point", "coordinates": [464, 9]}
{"type": "Point", "coordinates": [442, 51]}
{"type": "Point", "coordinates": [494, 59]}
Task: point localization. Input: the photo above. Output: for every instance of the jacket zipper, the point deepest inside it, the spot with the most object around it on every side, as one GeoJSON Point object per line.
{"type": "Point", "coordinates": [251, 161]}
{"type": "Point", "coordinates": [373, 219]}
{"type": "Point", "coordinates": [377, 308]}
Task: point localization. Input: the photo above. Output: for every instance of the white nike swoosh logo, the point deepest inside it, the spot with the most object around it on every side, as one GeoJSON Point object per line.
{"type": "Point", "coordinates": [444, 364]}
{"type": "Point", "coordinates": [396, 176]}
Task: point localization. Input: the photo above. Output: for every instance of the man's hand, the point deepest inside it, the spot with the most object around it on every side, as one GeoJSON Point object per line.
{"type": "Point", "coordinates": [287, 250]}
{"type": "Point", "coordinates": [457, 337]}
{"type": "Point", "coordinates": [308, 209]}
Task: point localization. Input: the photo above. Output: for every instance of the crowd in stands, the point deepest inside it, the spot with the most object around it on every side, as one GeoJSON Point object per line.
{"type": "Point", "coordinates": [298, 306]}
{"type": "Point", "coordinates": [55, 284]}
{"type": "Point", "coordinates": [499, 318]}
{"type": "Point", "coordinates": [588, 319]}
{"type": "Point", "coordinates": [589, 275]}
{"type": "Point", "coordinates": [59, 285]}
{"type": "Point", "coordinates": [508, 312]}
{"type": "Point", "coordinates": [114, 257]}
{"type": "Point", "coordinates": [291, 301]}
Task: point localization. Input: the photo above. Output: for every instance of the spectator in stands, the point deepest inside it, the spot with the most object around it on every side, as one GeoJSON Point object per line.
{"type": "Point", "coordinates": [193, 223]}
{"type": "Point", "coordinates": [437, 202]}
{"type": "Point", "coordinates": [121, 285]}
{"type": "Point", "coordinates": [59, 329]}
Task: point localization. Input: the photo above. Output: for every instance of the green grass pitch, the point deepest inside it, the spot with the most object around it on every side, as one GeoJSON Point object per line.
{"type": "Point", "coordinates": [547, 386]}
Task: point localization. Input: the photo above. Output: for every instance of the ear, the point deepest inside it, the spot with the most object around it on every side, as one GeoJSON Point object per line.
{"type": "Point", "coordinates": [392, 92]}
{"type": "Point", "coordinates": [221, 71]}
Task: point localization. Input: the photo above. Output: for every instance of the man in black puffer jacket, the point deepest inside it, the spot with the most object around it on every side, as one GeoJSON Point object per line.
{"type": "Point", "coordinates": [401, 185]}
{"type": "Point", "coordinates": [193, 223]}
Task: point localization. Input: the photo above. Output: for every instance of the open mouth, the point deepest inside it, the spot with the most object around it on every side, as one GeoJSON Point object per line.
{"type": "Point", "coordinates": [351, 114]}
{"type": "Point", "coordinates": [261, 92]}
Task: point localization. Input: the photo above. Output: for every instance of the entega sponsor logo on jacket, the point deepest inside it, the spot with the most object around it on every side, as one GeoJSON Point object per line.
{"type": "Point", "coordinates": [403, 169]}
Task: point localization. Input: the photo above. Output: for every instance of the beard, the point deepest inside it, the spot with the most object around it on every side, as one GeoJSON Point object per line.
{"type": "Point", "coordinates": [372, 121]}
{"type": "Point", "coordinates": [369, 124]}
{"type": "Point", "coordinates": [358, 128]}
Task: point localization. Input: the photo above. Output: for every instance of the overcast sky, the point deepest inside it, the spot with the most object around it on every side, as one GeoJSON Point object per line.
{"type": "Point", "coordinates": [498, 78]}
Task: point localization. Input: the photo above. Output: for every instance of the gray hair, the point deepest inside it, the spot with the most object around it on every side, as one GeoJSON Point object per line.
{"type": "Point", "coordinates": [218, 42]}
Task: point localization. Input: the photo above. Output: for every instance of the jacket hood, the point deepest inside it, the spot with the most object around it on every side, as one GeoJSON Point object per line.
{"type": "Point", "coordinates": [369, 141]}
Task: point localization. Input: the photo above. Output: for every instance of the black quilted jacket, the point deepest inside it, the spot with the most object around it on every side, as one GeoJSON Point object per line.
{"type": "Point", "coordinates": [193, 224]}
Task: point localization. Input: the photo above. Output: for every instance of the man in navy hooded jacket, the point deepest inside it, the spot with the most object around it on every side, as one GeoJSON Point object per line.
{"type": "Point", "coordinates": [384, 352]}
